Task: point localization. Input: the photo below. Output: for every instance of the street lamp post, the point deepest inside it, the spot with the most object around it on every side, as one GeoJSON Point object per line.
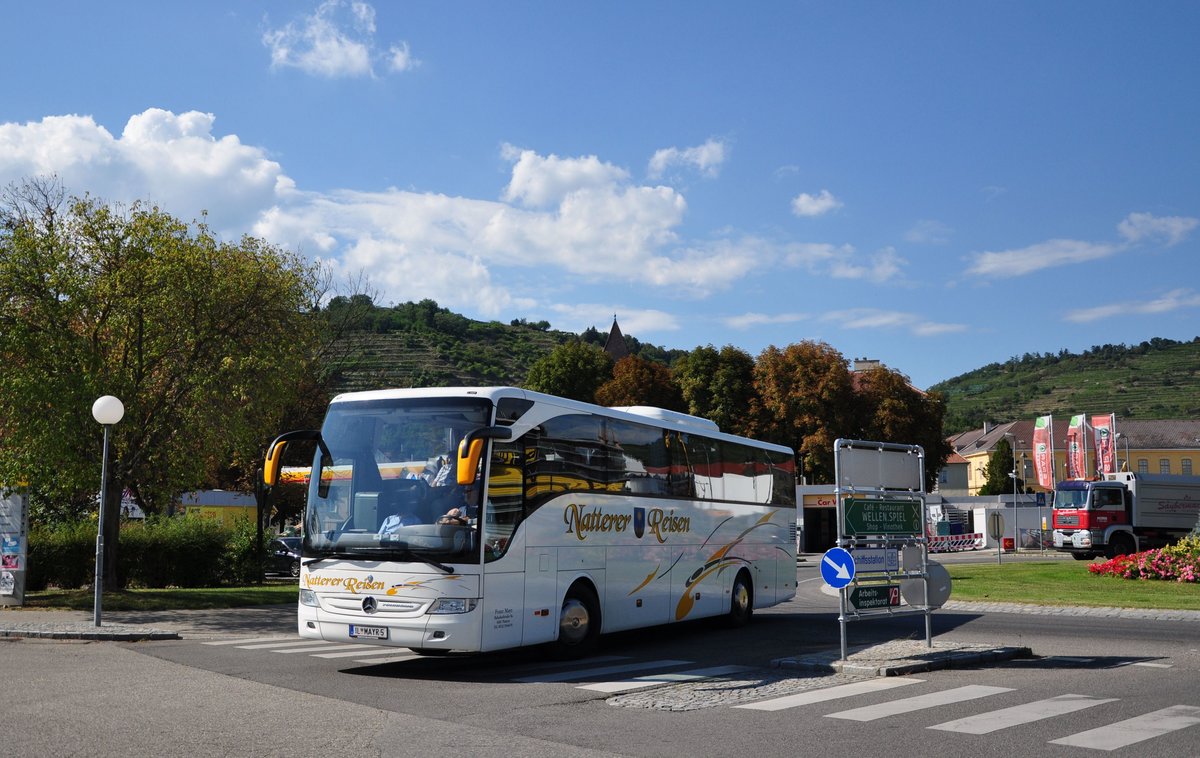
{"type": "Point", "coordinates": [107, 411]}
{"type": "Point", "coordinates": [1013, 450]}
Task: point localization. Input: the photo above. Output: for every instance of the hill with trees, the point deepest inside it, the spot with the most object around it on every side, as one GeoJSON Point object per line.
{"type": "Point", "coordinates": [1156, 379]}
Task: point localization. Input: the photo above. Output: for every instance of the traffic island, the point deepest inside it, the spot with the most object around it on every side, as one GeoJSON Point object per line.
{"type": "Point", "coordinates": [83, 631]}
{"type": "Point", "coordinates": [899, 657]}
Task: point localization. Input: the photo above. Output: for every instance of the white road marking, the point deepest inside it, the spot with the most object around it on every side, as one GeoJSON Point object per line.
{"type": "Point", "coordinates": [993, 721]}
{"type": "Point", "coordinates": [920, 702]}
{"type": "Point", "coordinates": [641, 682]}
{"type": "Point", "coordinates": [828, 693]}
{"type": "Point", "coordinates": [1134, 730]}
{"type": "Point", "coordinates": [564, 676]}
{"type": "Point", "coordinates": [282, 644]}
{"type": "Point", "coordinates": [248, 641]}
{"type": "Point", "coordinates": [323, 648]}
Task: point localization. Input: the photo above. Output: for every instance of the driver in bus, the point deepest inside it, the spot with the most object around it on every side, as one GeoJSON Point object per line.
{"type": "Point", "coordinates": [465, 510]}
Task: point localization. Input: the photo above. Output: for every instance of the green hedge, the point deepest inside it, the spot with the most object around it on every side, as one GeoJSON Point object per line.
{"type": "Point", "coordinates": [155, 553]}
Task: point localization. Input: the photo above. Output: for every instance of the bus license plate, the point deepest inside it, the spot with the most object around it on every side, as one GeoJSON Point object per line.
{"type": "Point", "coordinates": [371, 632]}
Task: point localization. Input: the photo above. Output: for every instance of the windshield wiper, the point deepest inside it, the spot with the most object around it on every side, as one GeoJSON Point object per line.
{"type": "Point", "coordinates": [328, 556]}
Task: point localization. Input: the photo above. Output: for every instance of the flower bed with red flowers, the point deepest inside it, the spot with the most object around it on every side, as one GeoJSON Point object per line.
{"type": "Point", "coordinates": [1179, 562]}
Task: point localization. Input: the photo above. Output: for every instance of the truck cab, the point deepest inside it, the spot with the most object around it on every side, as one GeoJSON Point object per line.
{"type": "Point", "coordinates": [1093, 518]}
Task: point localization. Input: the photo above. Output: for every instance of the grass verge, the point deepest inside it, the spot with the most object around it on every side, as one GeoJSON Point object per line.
{"type": "Point", "coordinates": [166, 599]}
{"type": "Point", "coordinates": [1065, 583]}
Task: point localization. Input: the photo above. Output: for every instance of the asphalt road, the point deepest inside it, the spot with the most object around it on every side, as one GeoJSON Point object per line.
{"type": "Point", "coordinates": [258, 690]}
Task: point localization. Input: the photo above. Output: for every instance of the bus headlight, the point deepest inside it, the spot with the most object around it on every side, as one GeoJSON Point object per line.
{"type": "Point", "coordinates": [308, 597]}
{"type": "Point", "coordinates": [453, 605]}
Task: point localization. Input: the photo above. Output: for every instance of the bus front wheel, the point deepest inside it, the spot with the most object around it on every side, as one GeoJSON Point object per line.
{"type": "Point", "coordinates": [741, 602]}
{"type": "Point", "coordinates": [578, 624]}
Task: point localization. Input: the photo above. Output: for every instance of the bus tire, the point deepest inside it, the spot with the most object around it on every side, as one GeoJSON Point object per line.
{"type": "Point", "coordinates": [578, 624]}
{"type": "Point", "coordinates": [741, 601]}
{"type": "Point", "coordinates": [1121, 543]}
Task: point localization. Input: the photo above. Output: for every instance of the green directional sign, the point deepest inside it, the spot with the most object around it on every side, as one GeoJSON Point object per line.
{"type": "Point", "coordinates": [867, 596]}
{"type": "Point", "coordinates": [882, 516]}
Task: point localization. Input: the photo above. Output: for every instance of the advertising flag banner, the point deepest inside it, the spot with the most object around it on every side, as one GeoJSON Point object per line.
{"type": "Point", "coordinates": [1043, 451]}
{"type": "Point", "coordinates": [1105, 428]}
{"type": "Point", "coordinates": [1077, 448]}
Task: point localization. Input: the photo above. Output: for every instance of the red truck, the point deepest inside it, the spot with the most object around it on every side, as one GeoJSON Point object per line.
{"type": "Point", "coordinates": [1124, 513]}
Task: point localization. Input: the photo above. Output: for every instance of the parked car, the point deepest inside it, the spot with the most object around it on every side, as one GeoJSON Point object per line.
{"type": "Point", "coordinates": [283, 556]}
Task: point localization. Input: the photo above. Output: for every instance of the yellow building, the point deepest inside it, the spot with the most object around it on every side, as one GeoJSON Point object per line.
{"type": "Point", "coordinates": [1148, 447]}
{"type": "Point", "coordinates": [228, 507]}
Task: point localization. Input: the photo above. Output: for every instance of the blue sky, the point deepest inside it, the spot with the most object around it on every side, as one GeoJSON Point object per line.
{"type": "Point", "coordinates": [934, 185]}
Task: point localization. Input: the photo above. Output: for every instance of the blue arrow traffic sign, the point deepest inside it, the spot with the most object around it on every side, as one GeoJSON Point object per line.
{"type": "Point", "coordinates": [837, 567]}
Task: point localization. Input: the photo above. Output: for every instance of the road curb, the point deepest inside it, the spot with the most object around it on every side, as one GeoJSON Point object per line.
{"type": "Point", "coordinates": [901, 657]}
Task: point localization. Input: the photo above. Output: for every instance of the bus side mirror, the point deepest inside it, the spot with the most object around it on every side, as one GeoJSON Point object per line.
{"type": "Point", "coordinates": [274, 459]}
{"type": "Point", "coordinates": [273, 463]}
{"type": "Point", "coordinates": [470, 450]}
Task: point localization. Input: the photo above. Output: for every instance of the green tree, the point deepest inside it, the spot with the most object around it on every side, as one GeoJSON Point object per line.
{"type": "Point", "coordinates": [717, 385]}
{"type": "Point", "coordinates": [637, 381]}
{"type": "Point", "coordinates": [804, 399]}
{"type": "Point", "coordinates": [997, 479]}
{"type": "Point", "coordinates": [202, 340]}
{"type": "Point", "coordinates": [573, 369]}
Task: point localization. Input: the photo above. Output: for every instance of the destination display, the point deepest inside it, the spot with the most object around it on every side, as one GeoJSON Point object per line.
{"type": "Point", "coordinates": [863, 516]}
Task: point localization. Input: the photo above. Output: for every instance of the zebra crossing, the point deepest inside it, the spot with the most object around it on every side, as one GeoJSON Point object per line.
{"type": "Point", "coordinates": [613, 675]}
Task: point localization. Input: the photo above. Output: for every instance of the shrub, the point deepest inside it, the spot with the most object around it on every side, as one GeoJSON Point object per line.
{"type": "Point", "coordinates": [1179, 562]}
{"type": "Point", "coordinates": [155, 553]}
{"type": "Point", "coordinates": [63, 555]}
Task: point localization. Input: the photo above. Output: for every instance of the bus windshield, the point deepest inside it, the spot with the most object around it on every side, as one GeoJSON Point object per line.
{"type": "Point", "coordinates": [385, 486]}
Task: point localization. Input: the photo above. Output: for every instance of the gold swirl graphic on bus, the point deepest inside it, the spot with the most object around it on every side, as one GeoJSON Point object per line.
{"type": "Point", "coordinates": [416, 584]}
{"type": "Point", "coordinates": [719, 561]}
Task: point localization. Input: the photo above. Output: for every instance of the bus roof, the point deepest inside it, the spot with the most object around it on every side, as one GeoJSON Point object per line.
{"type": "Point", "coordinates": [659, 417]}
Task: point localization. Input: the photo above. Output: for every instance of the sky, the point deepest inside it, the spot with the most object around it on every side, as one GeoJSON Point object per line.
{"type": "Point", "coordinates": [934, 185]}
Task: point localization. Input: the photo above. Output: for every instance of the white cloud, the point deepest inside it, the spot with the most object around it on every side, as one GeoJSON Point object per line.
{"type": "Point", "coordinates": [1137, 227]}
{"type": "Point", "coordinates": [706, 159]}
{"type": "Point", "coordinates": [1134, 229]}
{"type": "Point", "coordinates": [400, 58]}
{"type": "Point", "coordinates": [540, 181]}
{"type": "Point", "coordinates": [576, 317]}
{"type": "Point", "coordinates": [337, 40]}
{"type": "Point", "coordinates": [560, 221]}
{"type": "Point", "coordinates": [1007, 263]}
{"type": "Point", "coordinates": [1174, 300]}
{"type": "Point", "coordinates": [873, 318]}
{"type": "Point", "coordinates": [882, 266]}
{"type": "Point", "coordinates": [752, 320]}
{"type": "Point", "coordinates": [172, 160]}
{"type": "Point", "coordinates": [844, 262]}
{"type": "Point", "coordinates": [819, 204]}
{"type": "Point", "coordinates": [929, 232]}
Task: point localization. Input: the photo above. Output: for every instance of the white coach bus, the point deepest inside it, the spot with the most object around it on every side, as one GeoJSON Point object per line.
{"type": "Point", "coordinates": [592, 520]}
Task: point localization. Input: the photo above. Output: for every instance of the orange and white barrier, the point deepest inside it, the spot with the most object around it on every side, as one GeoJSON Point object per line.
{"type": "Point", "coordinates": [955, 542]}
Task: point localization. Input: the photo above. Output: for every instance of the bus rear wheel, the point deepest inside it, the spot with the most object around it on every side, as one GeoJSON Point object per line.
{"type": "Point", "coordinates": [578, 624]}
{"type": "Point", "coordinates": [741, 602]}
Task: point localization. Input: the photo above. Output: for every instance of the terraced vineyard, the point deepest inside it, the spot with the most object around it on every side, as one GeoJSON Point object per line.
{"type": "Point", "coordinates": [1159, 379]}
{"type": "Point", "coordinates": [491, 353]}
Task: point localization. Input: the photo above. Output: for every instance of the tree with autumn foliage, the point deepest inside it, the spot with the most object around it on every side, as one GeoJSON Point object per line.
{"type": "Point", "coordinates": [637, 381]}
{"type": "Point", "coordinates": [805, 400]}
{"type": "Point", "coordinates": [717, 385]}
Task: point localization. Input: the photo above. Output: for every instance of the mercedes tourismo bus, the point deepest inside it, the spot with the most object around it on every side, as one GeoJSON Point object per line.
{"type": "Point", "coordinates": [474, 519]}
